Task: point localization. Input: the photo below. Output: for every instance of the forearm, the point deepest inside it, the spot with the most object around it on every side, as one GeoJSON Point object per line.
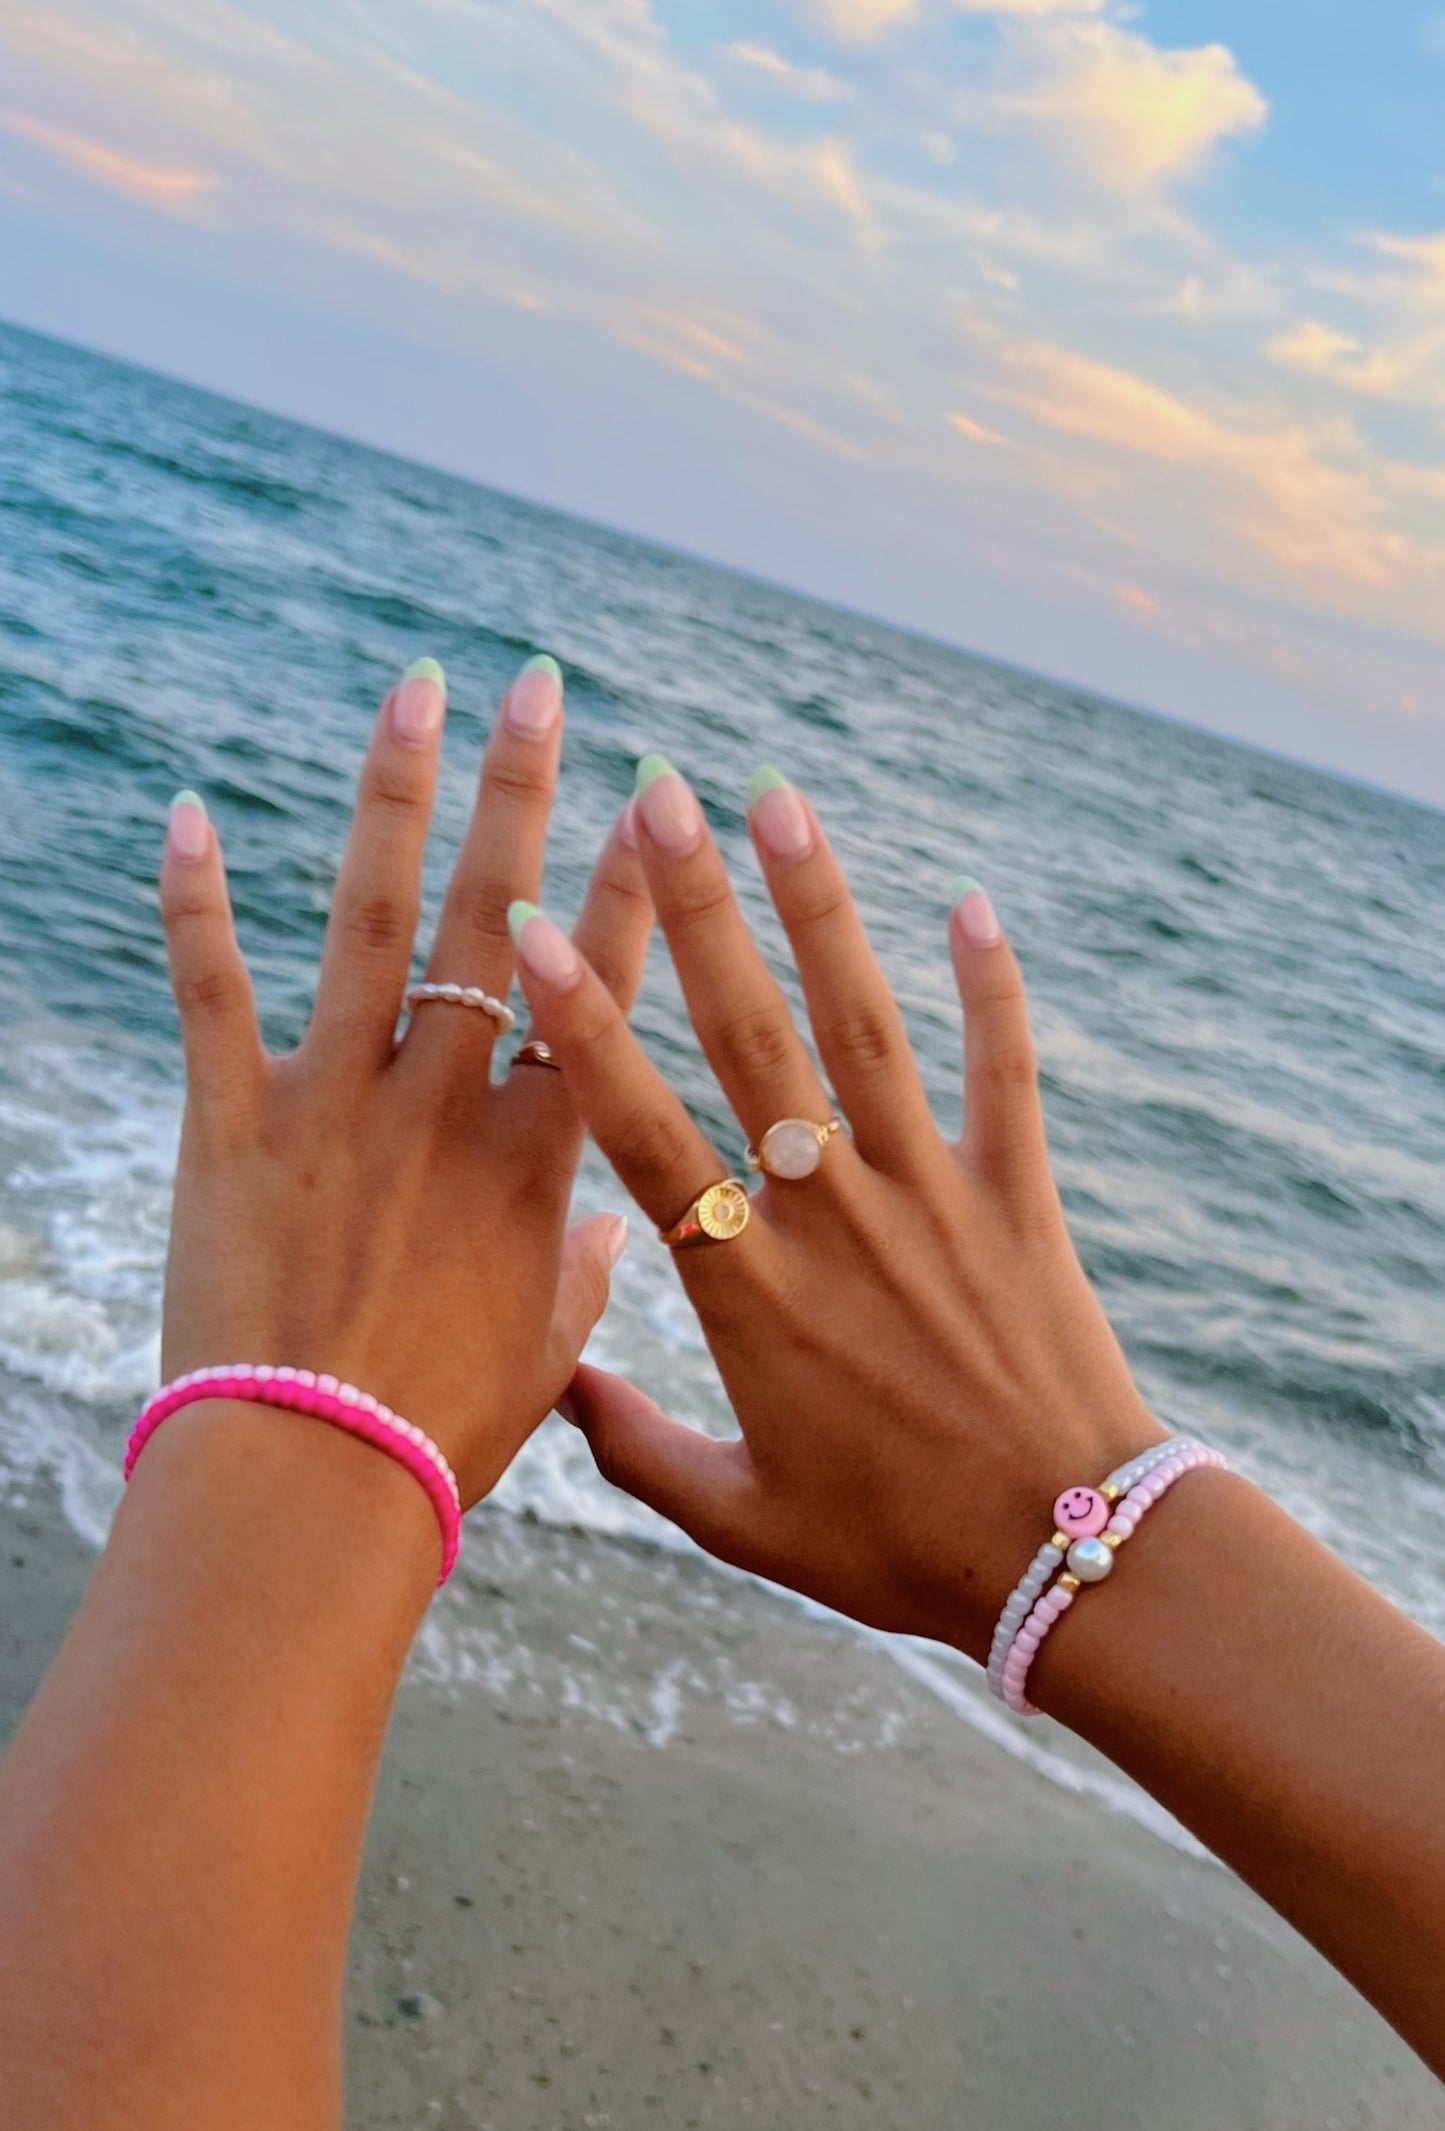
{"type": "Point", "coordinates": [1289, 1716]}
{"type": "Point", "coordinates": [181, 1813]}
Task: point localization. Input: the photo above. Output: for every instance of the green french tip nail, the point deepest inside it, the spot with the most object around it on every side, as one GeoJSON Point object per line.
{"type": "Point", "coordinates": [650, 768]}
{"type": "Point", "coordinates": [188, 798]}
{"type": "Point", "coordinates": [517, 916]}
{"type": "Point", "coordinates": [765, 779]}
{"type": "Point", "coordinates": [425, 670]}
{"type": "Point", "coordinates": [544, 663]}
{"type": "Point", "coordinates": [965, 885]}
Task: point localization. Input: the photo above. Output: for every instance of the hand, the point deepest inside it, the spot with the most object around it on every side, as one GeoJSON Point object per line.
{"type": "Point", "coordinates": [913, 1352]}
{"type": "Point", "coordinates": [376, 1209]}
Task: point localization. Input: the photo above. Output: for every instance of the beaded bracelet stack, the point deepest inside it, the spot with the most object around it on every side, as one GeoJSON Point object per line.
{"type": "Point", "coordinates": [1091, 1524]}
{"type": "Point", "coordinates": [327, 1399]}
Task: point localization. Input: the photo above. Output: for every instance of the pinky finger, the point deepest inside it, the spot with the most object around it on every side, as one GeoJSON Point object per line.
{"type": "Point", "coordinates": [224, 1058]}
{"type": "Point", "coordinates": [1003, 1140]}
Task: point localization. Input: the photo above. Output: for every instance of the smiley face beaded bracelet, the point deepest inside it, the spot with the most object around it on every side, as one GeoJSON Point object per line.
{"type": "Point", "coordinates": [1090, 1525]}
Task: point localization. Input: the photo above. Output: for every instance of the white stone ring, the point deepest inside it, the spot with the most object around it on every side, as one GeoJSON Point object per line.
{"type": "Point", "coordinates": [462, 995]}
{"type": "Point", "coordinates": [793, 1147]}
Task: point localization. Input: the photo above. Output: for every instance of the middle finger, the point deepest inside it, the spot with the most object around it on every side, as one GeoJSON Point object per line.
{"type": "Point", "coordinates": [736, 1005]}
{"type": "Point", "coordinates": [501, 856]}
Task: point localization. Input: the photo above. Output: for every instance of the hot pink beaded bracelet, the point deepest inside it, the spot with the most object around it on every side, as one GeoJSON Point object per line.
{"type": "Point", "coordinates": [1083, 1513]}
{"type": "Point", "coordinates": [301, 1391]}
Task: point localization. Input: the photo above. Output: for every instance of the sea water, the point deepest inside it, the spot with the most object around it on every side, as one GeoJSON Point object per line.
{"type": "Point", "coordinates": [1236, 964]}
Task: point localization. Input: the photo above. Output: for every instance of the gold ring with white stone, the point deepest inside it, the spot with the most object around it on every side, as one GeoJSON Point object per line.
{"type": "Point", "coordinates": [715, 1216]}
{"type": "Point", "coordinates": [793, 1147]}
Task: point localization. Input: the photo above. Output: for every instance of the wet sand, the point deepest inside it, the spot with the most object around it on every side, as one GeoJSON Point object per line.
{"type": "Point", "coordinates": [653, 1848]}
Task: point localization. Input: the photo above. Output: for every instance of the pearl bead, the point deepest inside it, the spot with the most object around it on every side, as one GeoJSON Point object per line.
{"type": "Point", "coordinates": [1090, 1560]}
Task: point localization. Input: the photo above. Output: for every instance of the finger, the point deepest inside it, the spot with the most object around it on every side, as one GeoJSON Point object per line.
{"type": "Point", "coordinates": [630, 1110]}
{"type": "Point", "coordinates": [501, 857]}
{"type": "Point", "coordinates": [224, 1057]}
{"type": "Point", "coordinates": [374, 911]}
{"type": "Point", "coordinates": [705, 1487]}
{"type": "Point", "coordinates": [611, 933]}
{"type": "Point", "coordinates": [859, 1029]}
{"type": "Point", "coordinates": [1004, 1140]}
{"type": "Point", "coordinates": [615, 922]}
{"type": "Point", "coordinates": [737, 1007]}
{"type": "Point", "coordinates": [591, 1250]}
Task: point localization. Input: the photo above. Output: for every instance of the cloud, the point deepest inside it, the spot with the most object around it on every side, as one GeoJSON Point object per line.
{"type": "Point", "coordinates": [1398, 353]}
{"type": "Point", "coordinates": [1311, 346]}
{"type": "Point", "coordinates": [976, 432]}
{"type": "Point", "coordinates": [807, 85]}
{"type": "Point", "coordinates": [1132, 115]}
{"type": "Point", "coordinates": [1306, 496]}
{"type": "Point", "coordinates": [154, 185]}
{"type": "Point", "coordinates": [1423, 285]}
{"type": "Point", "coordinates": [862, 21]}
{"type": "Point", "coordinates": [1081, 398]}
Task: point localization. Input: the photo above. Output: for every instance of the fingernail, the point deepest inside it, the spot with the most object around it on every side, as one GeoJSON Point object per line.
{"type": "Point", "coordinates": [975, 913]}
{"type": "Point", "coordinates": [543, 947]}
{"type": "Point", "coordinates": [534, 700]}
{"type": "Point", "coordinates": [617, 1238]}
{"type": "Point", "coordinates": [420, 703]}
{"type": "Point", "coordinates": [627, 825]}
{"type": "Point", "coordinates": [188, 828]}
{"type": "Point", "coordinates": [668, 806]}
{"type": "Point", "coordinates": [779, 815]}
{"type": "Point", "coordinates": [567, 1407]}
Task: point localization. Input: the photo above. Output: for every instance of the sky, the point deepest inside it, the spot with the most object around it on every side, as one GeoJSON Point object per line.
{"type": "Point", "coordinates": [1102, 337]}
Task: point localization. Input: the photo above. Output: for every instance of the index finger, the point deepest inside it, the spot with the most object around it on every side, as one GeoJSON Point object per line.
{"type": "Point", "coordinates": [637, 1121]}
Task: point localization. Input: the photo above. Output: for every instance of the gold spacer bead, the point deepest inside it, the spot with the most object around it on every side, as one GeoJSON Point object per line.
{"type": "Point", "coordinates": [1112, 1538]}
{"type": "Point", "coordinates": [1070, 1582]}
{"type": "Point", "coordinates": [1111, 1491]}
{"type": "Point", "coordinates": [1062, 1541]}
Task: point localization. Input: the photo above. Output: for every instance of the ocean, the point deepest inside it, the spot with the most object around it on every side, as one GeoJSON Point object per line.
{"type": "Point", "coordinates": [1237, 964]}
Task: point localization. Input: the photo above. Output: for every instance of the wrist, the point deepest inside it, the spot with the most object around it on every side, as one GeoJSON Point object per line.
{"type": "Point", "coordinates": [1130, 1647]}
{"type": "Point", "coordinates": [302, 1514]}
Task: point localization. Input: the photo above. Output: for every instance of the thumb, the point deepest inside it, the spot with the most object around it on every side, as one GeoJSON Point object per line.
{"type": "Point", "coordinates": [706, 1487]}
{"type": "Point", "coordinates": [590, 1251]}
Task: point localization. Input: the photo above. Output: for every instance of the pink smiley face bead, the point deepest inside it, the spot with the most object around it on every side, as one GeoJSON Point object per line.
{"type": "Point", "coordinates": [1082, 1512]}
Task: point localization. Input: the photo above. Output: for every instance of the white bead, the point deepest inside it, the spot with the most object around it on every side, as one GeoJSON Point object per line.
{"type": "Point", "coordinates": [1090, 1560]}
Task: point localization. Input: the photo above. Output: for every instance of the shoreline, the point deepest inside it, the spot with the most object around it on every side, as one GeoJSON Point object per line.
{"type": "Point", "coordinates": [651, 1846]}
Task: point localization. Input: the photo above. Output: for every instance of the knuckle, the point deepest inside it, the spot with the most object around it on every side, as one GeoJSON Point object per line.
{"type": "Point", "coordinates": [517, 778]}
{"type": "Point", "coordinates": [606, 1457]}
{"type": "Point", "coordinates": [479, 904]}
{"type": "Point", "coordinates": [822, 907]}
{"type": "Point", "coordinates": [1009, 1066]}
{"type": "Point", "coordinates": [387, 788]}
{"type": "Point", "coordinates": [697, 903]}
{"type": "Point", "coordinates": [207, 994]}
{"type": "Point", "coordinates": [863, 1039]}
{"type": "Point", "coordinates": [649, 1143]}
{"type": "Point", "coordinates": [378, 922]}
{"type": "Point", "coordinates": [755, 1045]}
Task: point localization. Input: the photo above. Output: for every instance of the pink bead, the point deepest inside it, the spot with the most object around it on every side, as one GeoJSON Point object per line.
{"type": "Point", "coordinates": [1082, 1512]}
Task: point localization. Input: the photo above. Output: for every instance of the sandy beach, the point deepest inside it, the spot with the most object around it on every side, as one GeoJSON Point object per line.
{"type": "Point", "coordinates": [653, 1848]}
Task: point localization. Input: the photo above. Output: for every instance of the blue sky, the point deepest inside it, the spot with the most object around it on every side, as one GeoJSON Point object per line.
{"type": "Point", "coordinates": [1108, 338]}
